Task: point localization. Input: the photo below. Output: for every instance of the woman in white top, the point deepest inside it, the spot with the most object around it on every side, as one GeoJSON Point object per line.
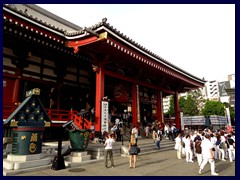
{"type": "Point", "coordinates": [178, 145]}
{"type": "Point", "coordinates": [213, 141]}
{"type": "Point", "coordinates": [188, 149]}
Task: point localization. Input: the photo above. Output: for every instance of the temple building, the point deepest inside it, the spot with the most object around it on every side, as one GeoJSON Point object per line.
{"type": "Point", "coordinates": [97, 69]}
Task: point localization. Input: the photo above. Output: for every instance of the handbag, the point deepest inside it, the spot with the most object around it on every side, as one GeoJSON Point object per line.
{"type": "Point", "coordinates": [222, 145]}
{"type": "Point", "coordinates": [138, 150]}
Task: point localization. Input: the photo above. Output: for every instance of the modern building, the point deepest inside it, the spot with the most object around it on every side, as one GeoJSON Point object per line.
{"type": "Point", "coordinates": [227, 90]}
{"type": "Point", "coordinates": [166, 104]}
{"type": "Point", "coordinates": [212, 90]}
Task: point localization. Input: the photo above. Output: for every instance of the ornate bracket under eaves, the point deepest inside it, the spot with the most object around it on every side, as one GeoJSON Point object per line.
{"type": "Point", "coordinates": [75, 44]}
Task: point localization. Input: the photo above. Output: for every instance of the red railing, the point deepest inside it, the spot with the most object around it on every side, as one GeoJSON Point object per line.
{"type": "Point", "coordinates": [62, 116]}
{"type": "Point", "coordinates": [81, 122]}
{"type": "Point", "coordinates": [58, 117]}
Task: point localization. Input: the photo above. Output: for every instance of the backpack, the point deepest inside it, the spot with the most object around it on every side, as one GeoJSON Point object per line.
{"type": "Point", "coordinates": [222, 145]}
{"type": "Point", "coordinates": [159, 136]}
{"type": "Point", "coordinates": [183, 144]}
{"type": "Point", "coordinates": [191, 144]}
{"type": "Point", "coordinates": [175, 130]}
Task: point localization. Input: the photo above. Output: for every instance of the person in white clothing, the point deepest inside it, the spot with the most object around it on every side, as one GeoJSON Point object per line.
{"type": "Point", "coordinates": [135, 132]}
{"type": "Point", "coordinates": [188, 149]}
{"type": "Point", "coordinates": [193, 139]}
{"type": "Point", "coordinates": [213, 141]}
{"type": "Point", "coordinates": [223, 146]}
{"type": "Point", "coordinates": [108, 150]}
{"type": "Point", "coordinates": [183, 144]}
{"type": "Point", "coordinates": [231, 148]}
{"type": "Point", "coordinates": [166, 131]}
{"type": "Point", "coordinates": [178, 145]}
{"type": "Point", "coordinates": [208, 156]}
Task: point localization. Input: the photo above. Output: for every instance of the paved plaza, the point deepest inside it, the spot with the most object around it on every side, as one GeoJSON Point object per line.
{"type": "Point", "coordinates": [163, 163]}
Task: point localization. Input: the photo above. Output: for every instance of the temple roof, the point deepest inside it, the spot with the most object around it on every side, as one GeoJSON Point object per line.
{"type": "Point", "coordinates": [43, 17]}
{"type": "Point", "coordinates": [71, 31]}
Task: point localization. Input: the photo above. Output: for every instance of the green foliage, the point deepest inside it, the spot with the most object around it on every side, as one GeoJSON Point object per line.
{"type": "Point", "coordinates": [213, 108]}
{"type": "Point", "coordinates": [171, 108]}
{"type": "Point", "coordinates": [187, 105]}
{"type": "Point", "coordinates": [190, 106]}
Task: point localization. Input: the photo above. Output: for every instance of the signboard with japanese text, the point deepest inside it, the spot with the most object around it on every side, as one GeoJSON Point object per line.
{"type": "Point", "coordinates": [104, 116]}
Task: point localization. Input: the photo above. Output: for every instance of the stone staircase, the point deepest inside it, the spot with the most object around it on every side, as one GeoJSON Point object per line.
{"type": "Point", "coordinates": [147, 146]}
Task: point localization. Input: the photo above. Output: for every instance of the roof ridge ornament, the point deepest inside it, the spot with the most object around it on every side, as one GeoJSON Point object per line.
{"type": "Point", "coordinates": [104, 20]}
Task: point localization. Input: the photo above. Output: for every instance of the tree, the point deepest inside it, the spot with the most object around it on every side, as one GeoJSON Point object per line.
{"type": "Point", "coordinates": [213, 108]}
{"type": "Point", "coordinates": [190, 106]}
{"type": "Point", "coordinates": [186, 105]}
{"type": "Point", "coordinates": [171, 108]}
{"type": "Point", "coordinates": [198, 98]}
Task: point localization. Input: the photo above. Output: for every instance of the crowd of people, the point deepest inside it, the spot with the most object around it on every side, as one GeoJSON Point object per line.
{"type": "Point", "coordinates": [206, 146]}
{"type": "Point", "coordinates": [201, 146]}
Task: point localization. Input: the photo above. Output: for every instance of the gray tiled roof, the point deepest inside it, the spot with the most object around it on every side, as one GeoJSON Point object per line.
{"type": "Point", "coordinates": [44, 17]}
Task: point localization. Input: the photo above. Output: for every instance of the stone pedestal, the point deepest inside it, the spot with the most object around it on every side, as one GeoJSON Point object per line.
{"type": "Point", "coordinates": [77, 157]}
{"type": "Point", "coordinates": [17, 162]}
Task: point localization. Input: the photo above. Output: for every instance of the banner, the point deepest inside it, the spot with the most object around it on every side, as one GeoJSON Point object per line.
{"type": "Point", "coordinates": [104, 116]}
{"type": "Point", "coordinates": [228, 116]}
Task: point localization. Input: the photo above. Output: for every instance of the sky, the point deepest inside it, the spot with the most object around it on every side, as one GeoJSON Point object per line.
{"type": "Point", "coordinates": [198, 38]}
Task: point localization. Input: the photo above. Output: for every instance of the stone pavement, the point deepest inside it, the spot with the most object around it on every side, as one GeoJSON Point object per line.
{"type": "Point", "coordinates": [163, 163]}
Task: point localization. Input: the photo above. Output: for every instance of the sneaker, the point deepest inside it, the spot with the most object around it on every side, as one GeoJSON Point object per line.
{"type": "Point", "coordinates": [113, 166]}
{"type": "Point", "coordinates": [190, 161]}
{"type": "Point", "coordinates": [223, 160]}
{"type": "Point", "coordinates": [215, 174]}
{"type": "Point", "coordinates": [200, 171]}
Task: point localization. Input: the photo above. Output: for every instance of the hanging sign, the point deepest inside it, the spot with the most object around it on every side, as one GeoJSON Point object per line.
{"type": "Point", "coordinates": [104, 116]}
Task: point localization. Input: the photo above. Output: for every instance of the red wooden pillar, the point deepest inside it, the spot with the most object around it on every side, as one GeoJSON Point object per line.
{"type": "Point", "coordinates": [99, 96]}
{"type": "Point", "coordinates": [177, 111]}
{"type": "Point", "coordinates": [134, 104]}
{"type": "Point", "coordinates": [16, 88]}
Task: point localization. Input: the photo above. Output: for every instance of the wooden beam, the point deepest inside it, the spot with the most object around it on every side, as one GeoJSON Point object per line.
{"type": "Point", "coordinates": [132, 80]}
